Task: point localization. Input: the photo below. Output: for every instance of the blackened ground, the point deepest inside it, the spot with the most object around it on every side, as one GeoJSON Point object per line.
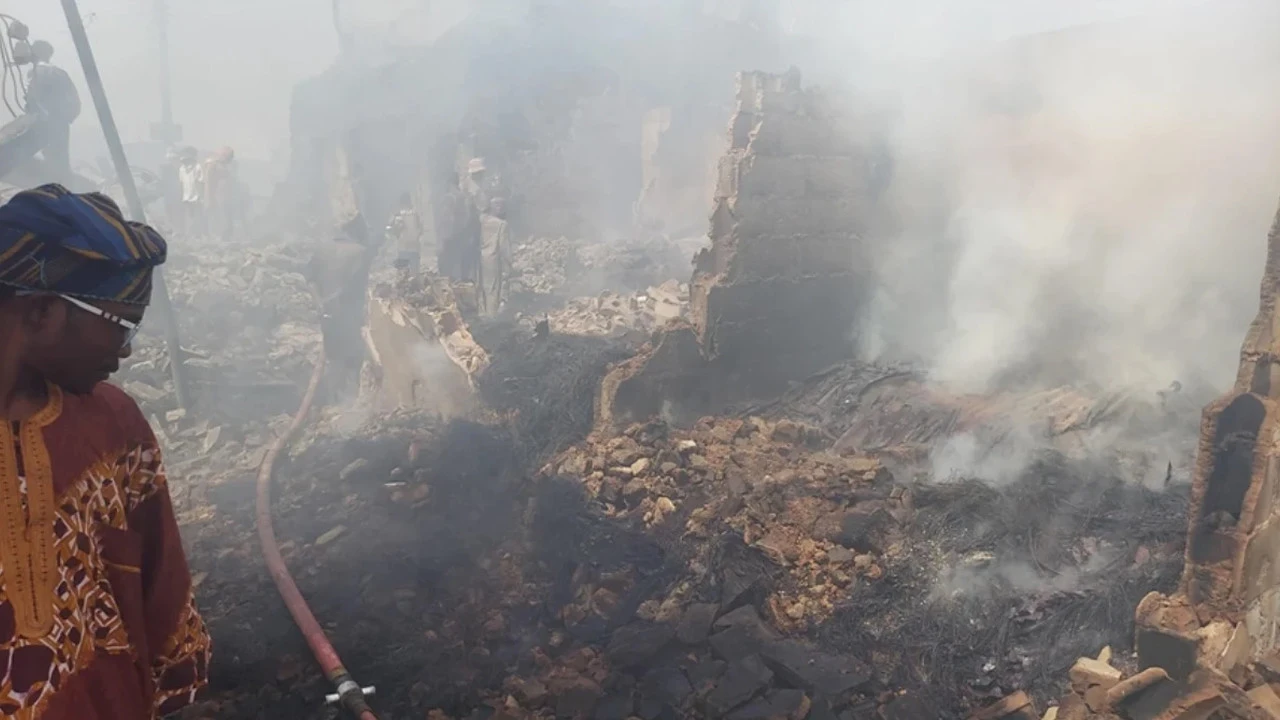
{"type": "Point", "coordinates": [434, 596]}
{"type": "Point", "coordinates": [453, 565]}
{"type": "Point", "coordinates": [546, 386]}
{"type": "Point", "coordinates": [405, 565]}
{"type": "Point", "coordinates": [1003, 589]}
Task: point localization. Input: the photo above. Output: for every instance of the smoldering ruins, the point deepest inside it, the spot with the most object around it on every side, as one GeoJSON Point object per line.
{"type": "Point", "coordinates": [908, 392]}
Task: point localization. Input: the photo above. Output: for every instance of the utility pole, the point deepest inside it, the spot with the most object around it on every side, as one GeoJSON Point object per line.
{"type": "Point", "coordinates": [137, 213]}
{"type": "Point", "coordinates": [343, 42]}
{"type": "Point", "coordinates": [164, 131]}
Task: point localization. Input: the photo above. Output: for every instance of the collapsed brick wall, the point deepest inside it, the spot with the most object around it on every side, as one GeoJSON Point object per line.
{"type": "Point", "coordinates": [1227, 609]}
{"type": "Point", "coordinates": [776, 295]}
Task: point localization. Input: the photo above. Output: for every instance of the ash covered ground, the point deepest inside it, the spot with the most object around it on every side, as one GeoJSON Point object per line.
{"type": "Point", "coordinates": [868, 541]}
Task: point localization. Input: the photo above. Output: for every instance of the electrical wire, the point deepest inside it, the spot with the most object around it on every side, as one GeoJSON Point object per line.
{"type": "Point", "coordinates": [13, 88]}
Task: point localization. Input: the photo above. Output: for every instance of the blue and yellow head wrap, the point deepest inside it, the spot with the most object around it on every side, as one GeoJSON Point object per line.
{"type": "Point", "coordinates": [54, 240]}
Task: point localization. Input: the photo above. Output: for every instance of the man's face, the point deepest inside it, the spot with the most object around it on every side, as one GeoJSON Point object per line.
{"type": "Point", "coordinates": [72, 347]}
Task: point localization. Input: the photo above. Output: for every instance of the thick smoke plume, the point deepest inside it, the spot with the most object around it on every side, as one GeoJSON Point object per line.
{"type": "Point", "coordinates": [1088, 205]}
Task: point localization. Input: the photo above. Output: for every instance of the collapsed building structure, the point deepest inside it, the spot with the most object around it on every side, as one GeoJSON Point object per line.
{"type": "Point", "coordinates": [775, 297]}
{"type": "Point", "coordinates": [758, 527]}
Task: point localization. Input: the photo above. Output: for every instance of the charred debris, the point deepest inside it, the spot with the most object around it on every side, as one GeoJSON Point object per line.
{"type": "Point", "coordinates": [640, 492]}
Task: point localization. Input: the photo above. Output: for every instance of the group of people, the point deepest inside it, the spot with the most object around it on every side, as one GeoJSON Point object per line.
{"type": "Point", "coordinates": [205, 197]}
{"type": "Point", "coordinates": [473, 235]}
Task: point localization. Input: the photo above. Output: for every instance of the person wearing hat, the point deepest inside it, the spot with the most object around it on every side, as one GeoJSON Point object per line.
{"type": "Point", "coordinates": [97, 615]}
{"type": "Point", "coordinates": [53, 97]}
{"type": "Point", "coordinates": [480, 186]}
{"type": "Point", "coordinates": [406, 229]}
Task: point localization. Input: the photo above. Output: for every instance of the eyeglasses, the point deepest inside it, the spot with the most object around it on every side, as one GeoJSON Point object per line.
{"type": "Point", "coordinates": [130, 327]}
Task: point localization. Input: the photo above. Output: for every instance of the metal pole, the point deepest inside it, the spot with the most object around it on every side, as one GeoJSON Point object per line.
{"type": "Point", "coordinates": [160, 295]}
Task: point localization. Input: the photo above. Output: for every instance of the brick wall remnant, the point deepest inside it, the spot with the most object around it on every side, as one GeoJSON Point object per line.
{"type": "Point", "coordinates": [423, 350]}
{"type": "Point", "coordinates": [1226, 611]}
{"type": "Point", "coordinates": [775, 296]}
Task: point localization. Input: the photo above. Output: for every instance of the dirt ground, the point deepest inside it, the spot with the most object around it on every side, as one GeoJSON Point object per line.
{"type": "Point", "coordinates": [867, 543]}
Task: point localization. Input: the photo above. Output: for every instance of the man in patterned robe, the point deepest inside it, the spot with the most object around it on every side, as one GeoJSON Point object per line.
{"type": "Point", "coordinates": [97, 619]}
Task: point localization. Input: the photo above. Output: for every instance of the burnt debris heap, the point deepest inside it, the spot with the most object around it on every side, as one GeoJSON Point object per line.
{"type": "Point", "coordinates": [775, 296]}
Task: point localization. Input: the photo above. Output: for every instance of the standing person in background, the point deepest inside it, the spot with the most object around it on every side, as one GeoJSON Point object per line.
{"type": "Point", "coordinates": [495, 258]}
{"type": "Point", "coordinates": [450, 214]}
{"type": "Point", "coordinates": [53, 97]}
{"type": "Point", "coordinates": [97, 615]}
{"type": "Point", "coordinates": [406, 230]}
{"type": "Point", "coordinates": [191, 180]}
{"type": "Point", "coordinates": [479, 187]}
{"type": "Point", "coordinates": [220, 193]}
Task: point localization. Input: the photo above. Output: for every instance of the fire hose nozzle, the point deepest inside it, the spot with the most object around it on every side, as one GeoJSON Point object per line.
{"type": "Point", "coordinates": [335, 698]}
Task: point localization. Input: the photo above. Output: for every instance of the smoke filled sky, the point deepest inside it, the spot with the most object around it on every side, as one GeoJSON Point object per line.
{"type": "Point", "coordinates": [235, 62]}
{"type": "Point", "coordinates": [1116, 235]}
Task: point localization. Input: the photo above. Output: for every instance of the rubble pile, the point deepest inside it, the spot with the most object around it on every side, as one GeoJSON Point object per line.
{"type": "Point", "coordinates": [250, 337]}
{"type": "Point", "coordinates": [544, 266]}
{"type": "Point", "coordinates": [561, 267]}
{"type": "Point", "coordinates": [958, 592]}
{"type": "Point", "coordinates": [1112, 687]}
{"type": "Point", "coordinates": [634, 262]}
{"type": "Point", "coordinates": [613, 314]}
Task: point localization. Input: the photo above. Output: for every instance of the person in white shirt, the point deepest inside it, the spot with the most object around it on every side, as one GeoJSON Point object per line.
{"type": "Point", "coordinates": [191, 181]}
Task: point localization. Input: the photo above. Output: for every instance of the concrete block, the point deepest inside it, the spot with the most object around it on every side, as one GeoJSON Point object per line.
{"type": "Point", "coordinates": [1004, 707]}
{"type": "Point", "coordinates": [1088, 672]}
{"type": "Point", "coordinates": [1166, 634]}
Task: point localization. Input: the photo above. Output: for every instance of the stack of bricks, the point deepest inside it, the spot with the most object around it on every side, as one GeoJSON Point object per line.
{"type": "Point", "coordinates": [776, 296]}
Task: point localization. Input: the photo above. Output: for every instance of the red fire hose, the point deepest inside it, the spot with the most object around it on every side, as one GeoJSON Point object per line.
{"type": "Point", "coordinates": [349, 693]}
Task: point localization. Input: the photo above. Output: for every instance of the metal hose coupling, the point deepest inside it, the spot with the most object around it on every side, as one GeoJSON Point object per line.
{"type": "Point", "coordinates": [350, 695]}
